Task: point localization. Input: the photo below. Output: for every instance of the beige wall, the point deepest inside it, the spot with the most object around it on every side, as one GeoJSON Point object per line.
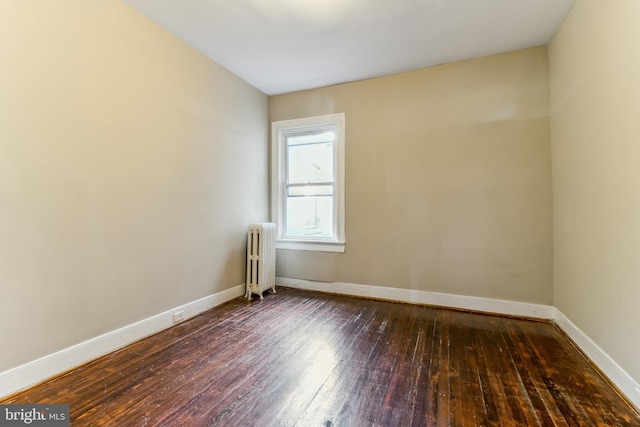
{"type": "Point", "coordinates": [130, 165]}
{"type": "Point", "coordinates": [595, 128]}
{"type": "Point", "coordinates": [448, 179]}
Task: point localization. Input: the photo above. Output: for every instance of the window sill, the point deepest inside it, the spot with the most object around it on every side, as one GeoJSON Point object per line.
{"type": "Point", "coordinates": [310, 246]}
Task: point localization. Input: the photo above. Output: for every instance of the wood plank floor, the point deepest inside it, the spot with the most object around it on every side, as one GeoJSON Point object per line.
{"type": "Point", "coordinates": [310, 359]}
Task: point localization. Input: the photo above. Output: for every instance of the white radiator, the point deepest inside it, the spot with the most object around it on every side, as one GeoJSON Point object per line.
{"type": "Point", "coordinates": [261, 259]}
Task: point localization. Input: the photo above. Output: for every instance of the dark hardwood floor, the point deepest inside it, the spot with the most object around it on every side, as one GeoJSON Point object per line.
{"type": "Point", "coordinates": [310, 359]}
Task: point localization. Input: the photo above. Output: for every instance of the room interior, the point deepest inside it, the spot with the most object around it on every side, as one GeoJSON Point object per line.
{"type": "Point", "coordinates": [132, 163]}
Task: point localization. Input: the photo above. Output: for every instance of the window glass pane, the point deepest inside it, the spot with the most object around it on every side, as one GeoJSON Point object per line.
{"type": "Point", "coordinates": [310, 190]}
{"type": "Point", "coordinates": [311, 160]}
{"type": "Point", "coordinates": [309, 217]}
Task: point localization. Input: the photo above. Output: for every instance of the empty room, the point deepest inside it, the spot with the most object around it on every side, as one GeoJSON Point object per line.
{"type": "Point", "coordinates": [320, 213]}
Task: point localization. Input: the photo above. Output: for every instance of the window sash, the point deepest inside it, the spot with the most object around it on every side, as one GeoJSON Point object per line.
{"type": "Point", "coordinates": [292, 134]}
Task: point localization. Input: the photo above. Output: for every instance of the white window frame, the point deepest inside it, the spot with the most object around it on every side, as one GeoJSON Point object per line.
{"type": "Point", "coordinates": [278, 173]}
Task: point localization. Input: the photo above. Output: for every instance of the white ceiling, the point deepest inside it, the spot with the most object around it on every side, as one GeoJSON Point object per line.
{"type": "Point", "coordinates": [283, 46]}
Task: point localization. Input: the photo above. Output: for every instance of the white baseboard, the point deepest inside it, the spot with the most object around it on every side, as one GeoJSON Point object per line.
{"type": "Point", "coordinates": [618, 376]}
{"type": "Point", "coordinates": [487, 305]}
{"type": "Point", "coordinates": [38, 370]}
{"type": "Point", "coordinates": [48, 366]}
{"type": "Point", "coordinates": [604, 362]}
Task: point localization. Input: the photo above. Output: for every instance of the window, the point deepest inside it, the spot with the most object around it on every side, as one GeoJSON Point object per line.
{"type": "Point", "coordinates": [307, 179]}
